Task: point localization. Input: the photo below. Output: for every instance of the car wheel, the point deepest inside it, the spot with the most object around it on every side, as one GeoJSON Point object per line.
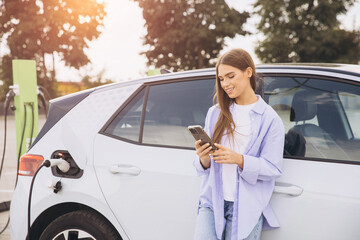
{"type": "Point", "coordinates": [81, 225]}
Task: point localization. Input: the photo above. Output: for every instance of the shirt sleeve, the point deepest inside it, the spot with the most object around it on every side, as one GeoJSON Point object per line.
{"type": "Point", "coordinates": [267, 166]}
{"type": "Point", "coordinates": [197, 164]}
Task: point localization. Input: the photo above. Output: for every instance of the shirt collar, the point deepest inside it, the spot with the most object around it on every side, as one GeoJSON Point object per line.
{"type": "Point", "coordinates": [259, 107]}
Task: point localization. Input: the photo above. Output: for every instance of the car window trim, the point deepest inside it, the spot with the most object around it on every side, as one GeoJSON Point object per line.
{"type": "Point", "coordinates": [206, 77]}
{"type": "Point", "coordinates": [320, 69]}
{"type": "Point", "coordinates": [147, 84]}
{"type": "Point", "coordinates": [327, 160]}
{"type": "Point", "coordinates": [347, 127]}
{"type": "Point", "coordinates": [142, 87]}
{"type": "Point", "coordinates": [165, 81]}
{"type": "Point", "coordinates": [144, 144]}
{"type": "Point", "coordinates": [143, 112]}
{"type": "Point", "coordinates": [320, 77]}
{"type": "Point", "coordinates": [126, 102]}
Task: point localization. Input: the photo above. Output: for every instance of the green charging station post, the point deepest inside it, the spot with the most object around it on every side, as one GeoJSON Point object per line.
{"type": "Point", "coordinates": [26, 103]}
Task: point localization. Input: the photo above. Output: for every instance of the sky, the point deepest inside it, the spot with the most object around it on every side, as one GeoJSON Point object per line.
{"type": "Point", "coordinates": [117, 50]}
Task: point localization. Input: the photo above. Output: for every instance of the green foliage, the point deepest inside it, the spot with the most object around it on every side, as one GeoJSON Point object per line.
{"type": "Point", "coordinates": [305, 31]}
{"type": "Point", "coordinates": [95, 81]}
{"type": "Point", "coordinates": [34, 28]}
{"type": "Point", "coordinates": [187, 34]}
{"type": "Point", "coordinates": [5, 76]}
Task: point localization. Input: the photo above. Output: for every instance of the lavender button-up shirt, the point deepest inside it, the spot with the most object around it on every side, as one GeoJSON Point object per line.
{"type": "Point", "coordinates": [255, 182]}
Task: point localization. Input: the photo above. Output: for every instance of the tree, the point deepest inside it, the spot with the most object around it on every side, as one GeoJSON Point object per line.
{"type": "Point", "coordinates": [305, 31]}
{"type": "Point", "coordinates": [36, 28]}
{"type": "Point", "coordinates": [91, 81]}
{"type": "Point", "coordinates": [5, 76]}
{"type": "Point", "coordinates": [188, 34]}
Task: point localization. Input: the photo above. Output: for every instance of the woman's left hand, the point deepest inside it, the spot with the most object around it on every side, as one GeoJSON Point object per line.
{"type": "Point", "coordinates": [226, 155]}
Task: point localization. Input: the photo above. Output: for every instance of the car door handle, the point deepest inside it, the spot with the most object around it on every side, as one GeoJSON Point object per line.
{"type": "Point", "coordinates": [288, 189]}
{"type": "Point", "coordinates": [125, 169]}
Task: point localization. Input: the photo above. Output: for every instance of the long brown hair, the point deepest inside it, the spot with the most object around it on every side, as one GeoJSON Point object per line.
{"type": "Point", "coordinates": [239, 59]}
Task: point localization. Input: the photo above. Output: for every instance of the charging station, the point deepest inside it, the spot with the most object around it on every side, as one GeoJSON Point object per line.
{"type": "Point", "coordinates": [24, 95]}
{"type": "Point", "coordinates": [26, 103]}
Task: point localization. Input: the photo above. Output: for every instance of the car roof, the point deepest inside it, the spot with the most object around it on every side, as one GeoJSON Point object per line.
{"type": "Point", "coordinates": [350, 71]}
{"type": "Point", "coordinates": [319, 68]}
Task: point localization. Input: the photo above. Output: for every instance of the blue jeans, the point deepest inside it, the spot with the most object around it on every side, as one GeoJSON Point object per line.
{"type": "Point", "coordinates": [205, 225]}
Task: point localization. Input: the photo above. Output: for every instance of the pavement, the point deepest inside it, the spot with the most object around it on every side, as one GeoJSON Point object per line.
{"type": "Point", "coordinates": [8, 176]}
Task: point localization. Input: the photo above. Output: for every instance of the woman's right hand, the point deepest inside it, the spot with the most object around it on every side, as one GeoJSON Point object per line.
{"type": "Point", "coordinates": [203, 153]}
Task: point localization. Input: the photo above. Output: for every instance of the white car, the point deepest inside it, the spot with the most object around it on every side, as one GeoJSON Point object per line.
{"type": "Point", "coordinates": [131, 155]}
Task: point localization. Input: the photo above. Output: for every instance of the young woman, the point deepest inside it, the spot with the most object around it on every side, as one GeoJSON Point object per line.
{"type": "Point", "coordinates": [239, 177]}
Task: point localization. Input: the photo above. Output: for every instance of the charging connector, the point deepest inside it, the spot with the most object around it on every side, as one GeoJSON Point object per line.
{"type": "Point", "coordinates": [63, 165]}
{"type": "Point", "coordinates": [15, 88]}
{"type": "Point", "coordinates": [9, 97]}
{"type": "Point", "coordinates": [74, 172]}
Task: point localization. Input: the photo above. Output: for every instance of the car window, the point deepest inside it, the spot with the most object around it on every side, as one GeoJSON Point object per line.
{"type": "Point", "coordinates": [127, 123]}
{"type": "Point", "coordinates": [319, 116]}
{"type": "Point", "coordinates": [172, 107]}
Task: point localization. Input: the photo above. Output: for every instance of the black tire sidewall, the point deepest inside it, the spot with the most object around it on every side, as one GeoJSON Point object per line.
{"type": "Point", "coordinates": [84, 220]}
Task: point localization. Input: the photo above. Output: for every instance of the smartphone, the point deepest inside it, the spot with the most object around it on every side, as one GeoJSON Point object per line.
{"type": "Point", "coordinates": [199, 134]}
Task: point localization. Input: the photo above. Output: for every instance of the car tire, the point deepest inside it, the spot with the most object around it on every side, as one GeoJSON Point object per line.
{"type": "Point", "coordinates": [82, 224]}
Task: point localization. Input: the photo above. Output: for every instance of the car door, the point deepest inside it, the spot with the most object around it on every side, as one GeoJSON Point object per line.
{"type": "Point", "coordinates": [144, 159]}
{"type": "Point", "coordinates": [318, 195]}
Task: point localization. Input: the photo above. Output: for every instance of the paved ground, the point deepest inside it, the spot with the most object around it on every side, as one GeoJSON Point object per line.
{"type": "Point", "coordinates": [7, 181]}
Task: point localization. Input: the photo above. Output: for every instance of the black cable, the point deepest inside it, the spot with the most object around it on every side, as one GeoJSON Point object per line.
{"type": "Point", "coordinates": [9, 96]}
{"type": "Point", "coordinates": [32, 124]}
{"type": "Point", "coordinates": [8, 99]}
{"type": "Point", "coordinates": [43, 100]}
{"type": "Point", "coordinates": [45, 91]}
{"type": "Point", "coordinates": [6, 225]}
{"type": "Point", "coordinates": [2, 164]}
{"type": "Point", "coordinates": [21, 142]}
{"type": "Point", "coordinates": [3, 155]}
{"type": "Point", "coordinates": [42, 93]}
{"type": "Point", "coordinates": [45, 164]}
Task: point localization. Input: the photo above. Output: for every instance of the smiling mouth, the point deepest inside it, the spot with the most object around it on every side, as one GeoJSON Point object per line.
{"type": "Point", "coordinates": [229, 90]}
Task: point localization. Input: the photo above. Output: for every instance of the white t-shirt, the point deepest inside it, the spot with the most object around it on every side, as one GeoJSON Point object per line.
{"type": "Point", "coordinates": [242, 137]}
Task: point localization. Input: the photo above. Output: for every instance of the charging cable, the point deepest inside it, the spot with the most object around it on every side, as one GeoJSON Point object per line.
{"type": "Point", "coordinates": [63, 165]}
{"type": "Point", "coordinates": [9, 97]}
{"type": "Point", "coordinates": [32, 123]}
{"type": "Point", "coordinates": [42, 97]}
{"type": "Point", "coordinates": [14, 90]}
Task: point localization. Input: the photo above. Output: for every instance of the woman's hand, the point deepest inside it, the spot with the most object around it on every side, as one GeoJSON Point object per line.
{"type": "Point", "coordinates": [203, 153]}
{"type": "Point", "coordinates": [226, 155]}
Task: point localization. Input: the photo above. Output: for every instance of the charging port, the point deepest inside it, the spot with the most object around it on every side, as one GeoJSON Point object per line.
{"type": "Point", "coordinates": [74, 171]}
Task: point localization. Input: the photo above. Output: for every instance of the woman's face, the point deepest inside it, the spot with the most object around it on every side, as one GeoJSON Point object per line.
{"type": "Point", "coordinates": [236, 83]}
